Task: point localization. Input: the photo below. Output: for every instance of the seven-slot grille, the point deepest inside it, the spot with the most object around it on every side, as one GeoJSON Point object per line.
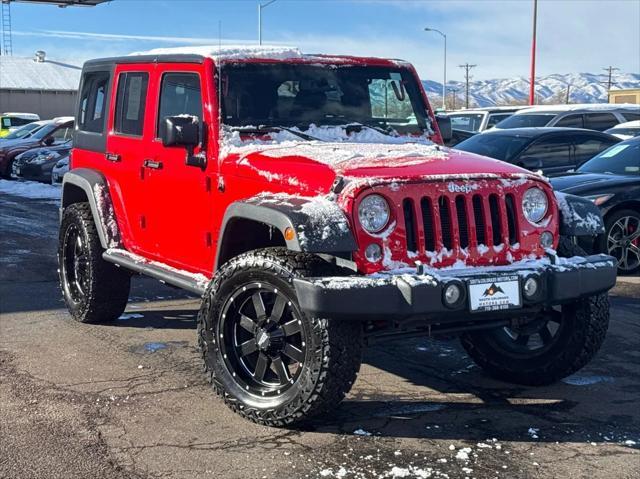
{"type": "Point", "coordinates": [458, 222]}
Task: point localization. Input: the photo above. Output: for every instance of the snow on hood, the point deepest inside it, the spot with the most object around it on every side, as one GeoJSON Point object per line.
{"type": "Point", "coordinates": [366, 154]}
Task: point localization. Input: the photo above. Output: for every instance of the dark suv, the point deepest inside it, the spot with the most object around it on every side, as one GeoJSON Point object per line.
{"type": "Point", "coordinates": [308, 200]}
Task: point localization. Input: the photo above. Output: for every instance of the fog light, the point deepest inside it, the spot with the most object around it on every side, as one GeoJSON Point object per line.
{"type": "Point", "coordinates": [452, 294]}
{"type": "Point", "coordinates": [546, 239]}
{"type": "Point", "coordinates": [373, 253]}
{"type": "Point", "coordinates": [530, 287]}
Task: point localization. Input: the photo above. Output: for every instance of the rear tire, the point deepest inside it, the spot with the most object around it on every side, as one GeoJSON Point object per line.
{"type": "Point", "coordinates": [94, 290]}
{"type": "Point", "coordinates": [268, 361]}
{"type": "Point", "coordinates": [555, 345]}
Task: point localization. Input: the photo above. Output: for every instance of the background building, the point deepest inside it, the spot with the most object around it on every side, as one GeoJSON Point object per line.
{"type": "Point", "coordinates": [630, 95]}
{"type": "Point", "coordinates": [38, 85]}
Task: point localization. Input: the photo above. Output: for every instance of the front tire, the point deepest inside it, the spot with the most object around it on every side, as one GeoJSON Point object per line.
{"type": "Point", "coordinates": [94, 290]}
{"type": "Point", "coordinates": [622, 240]}
{"type": "Point", "coordinates": [556, 344]}
{"type": "Point", "coordinates": [270, 362]}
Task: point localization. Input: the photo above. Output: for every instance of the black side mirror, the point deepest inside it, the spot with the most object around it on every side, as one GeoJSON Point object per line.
{"type": "Point", "coordinates": [180, 131]}
{"type": "Point", "coordinates": [444, 124]}
{"type": "Point", "coordinates": [49, 140]}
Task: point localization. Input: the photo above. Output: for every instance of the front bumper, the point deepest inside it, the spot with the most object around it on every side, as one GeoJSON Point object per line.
{"type": "Point", "coordinates": [421, 296]}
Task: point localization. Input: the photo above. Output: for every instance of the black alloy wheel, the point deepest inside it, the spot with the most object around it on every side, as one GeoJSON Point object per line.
{"type": "Point", "coordinates": [262, 339]}
{"type": "Point", "coordinates": [75, 264]}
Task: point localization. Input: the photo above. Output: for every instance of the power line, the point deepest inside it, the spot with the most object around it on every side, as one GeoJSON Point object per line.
{"type": "Point", "coordinates": [467, 77]}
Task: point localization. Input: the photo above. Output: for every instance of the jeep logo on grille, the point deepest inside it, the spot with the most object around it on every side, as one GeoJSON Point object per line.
{"type": "Point", "coordinates": [465, 188]}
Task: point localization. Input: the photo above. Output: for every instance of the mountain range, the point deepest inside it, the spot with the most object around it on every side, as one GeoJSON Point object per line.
{"type": "Point", "coordinates": [583, 88]}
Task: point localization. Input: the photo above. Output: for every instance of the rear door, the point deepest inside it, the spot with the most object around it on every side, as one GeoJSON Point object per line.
{"type": "Point", "coordinates": [600, 121]}
{"type": "Point", "coordinates": [181, 218]}
{"type": "Point", "coordinates": [587, 146]}
{"type": "Point", "coordinates": [127, 142]}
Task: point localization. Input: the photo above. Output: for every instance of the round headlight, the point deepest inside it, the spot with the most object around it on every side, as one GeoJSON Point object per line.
{"type": "Point", "coordinates": [534, 204]}
{"type": "Point", "coordinates": [373, 213]}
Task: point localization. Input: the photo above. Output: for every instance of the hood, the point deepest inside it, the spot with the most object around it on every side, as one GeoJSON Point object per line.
{"type": "Point", "coordinates": [313, 166]}
{"type": "Point", "coordinates": [577, 183]}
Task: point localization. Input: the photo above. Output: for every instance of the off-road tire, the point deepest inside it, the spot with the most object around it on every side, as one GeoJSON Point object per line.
{"type": "Point", "coordinates": [582, 335]}
{"type": "Point", "coordinates": [334, 352]}
{"type": "Point", "coordinates": [107, 286]}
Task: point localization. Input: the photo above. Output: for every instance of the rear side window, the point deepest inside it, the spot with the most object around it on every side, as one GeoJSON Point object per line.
{"type": "Point", "coordinates": [600, 121]}
{"type": "Point", "coordinates": [552, 152]}
{"type": "Point", "coordinates": [631, 116]}
{"type": "Point", "coordinates": [180, 95]}
{"type": "Point", "coordinates": [496, 118]}
{"type": "Point", "coordinates": [130, 103]}
{"type": "Point", "coordinates": [571, 121]}
{"type": "Point", "coordinates": [588, 147]}
{"type": "Point", "coordinates": [93, 101]}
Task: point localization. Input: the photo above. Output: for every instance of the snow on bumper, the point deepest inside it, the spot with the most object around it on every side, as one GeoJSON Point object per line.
{"type": "Point", "coordinates": [406, 294]}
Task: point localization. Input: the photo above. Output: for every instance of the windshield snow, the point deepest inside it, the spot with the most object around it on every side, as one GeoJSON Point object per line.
{"type": "Point", "coordinates": [276, 95]}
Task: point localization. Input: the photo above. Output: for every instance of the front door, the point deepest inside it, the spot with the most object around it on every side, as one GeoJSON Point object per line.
{"type": "Point", "coordinates": [180, 197]}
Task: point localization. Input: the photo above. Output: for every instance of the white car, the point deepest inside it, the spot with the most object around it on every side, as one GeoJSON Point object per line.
{"type": "Point", "coordinates": [480, 119]}
{"type": "Point", "coordinates": [625, 131]}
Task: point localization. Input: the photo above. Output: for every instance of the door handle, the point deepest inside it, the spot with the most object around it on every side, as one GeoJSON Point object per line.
{"type": "Point", "coordinates": [112, 157]}
{"type": "Point", "coordinates": [156, 165]}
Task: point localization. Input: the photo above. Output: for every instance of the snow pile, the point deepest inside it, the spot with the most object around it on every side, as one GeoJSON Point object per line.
{"type": "Point", "coordinates": [229, 52]}
{"type": "Point", "coordinates": [30, 189]}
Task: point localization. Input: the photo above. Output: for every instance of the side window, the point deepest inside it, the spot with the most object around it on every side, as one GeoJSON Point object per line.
{"type": "Point", "coordinates": [552, 152]}
{"type": "Point", "coordinates": [588, 147]}
{"type": "Point", "coordinates": [180, 95]}
{"type": "Point", "coordinates": [631, 116]}
{"type": "Point", "coordinates": [130, 103]}
{"type": "Point", "coordinates": [93, 102]}
{"type": "Point", "coordinates": [494, 119]}
{"type": "Point", "coordinates": [62, 134]}
{"type": "Point", "coordinates": [600, 121]}
{"type": "Point", "coordinates": [571, 121]}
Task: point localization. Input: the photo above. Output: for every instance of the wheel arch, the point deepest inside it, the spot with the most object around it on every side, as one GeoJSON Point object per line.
{"type": "Point", "coordinates": [623, 205]}
{"type": "Point", "coordinates": [87, 185]}
{"type": "Point", "coordinates": [256, 219]}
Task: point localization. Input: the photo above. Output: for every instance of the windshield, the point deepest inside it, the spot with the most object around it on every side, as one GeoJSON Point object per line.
{"type": "Point", "coordinates": [620, 159]}
{"type": "Point", "coordinates": [526, 120]}
{"type": "Point", "coordinates": [44, 131]}
{"type": "Point", "coordinates": [466, 121]}
{"type": "Point", "coordinates": [300, 95]}
{"type": "Point", "coordinates": [23, 131]}
{"type": "Point", "coordinates": [500, 147]}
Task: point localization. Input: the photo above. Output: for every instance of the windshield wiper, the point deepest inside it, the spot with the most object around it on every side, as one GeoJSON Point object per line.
{"type": "Point", "coordinates": [377, 128]}
{"type": "Point", "coordinates": [271, 129]}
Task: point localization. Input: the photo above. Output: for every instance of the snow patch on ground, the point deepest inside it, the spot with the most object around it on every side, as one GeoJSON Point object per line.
{"type": "Point", "coordinates": [586, 379]}
{"type": "Point", "coordinates": [31, 189]}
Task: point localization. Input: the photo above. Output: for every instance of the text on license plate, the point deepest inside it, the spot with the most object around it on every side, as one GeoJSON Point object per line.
{"type": "Point", "coordinates": [494, 294]}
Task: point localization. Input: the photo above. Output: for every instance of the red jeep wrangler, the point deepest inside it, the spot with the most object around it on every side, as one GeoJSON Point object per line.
{"type": "Point", "coordinates": [307, 199]}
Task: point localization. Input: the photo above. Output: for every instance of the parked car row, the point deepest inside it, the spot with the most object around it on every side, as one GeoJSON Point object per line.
{"type": "Point", "coordinates": [33, 150]}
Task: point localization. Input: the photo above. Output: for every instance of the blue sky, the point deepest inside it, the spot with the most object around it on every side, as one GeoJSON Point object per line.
{"type": "Point", "coordinates": [574, 35]}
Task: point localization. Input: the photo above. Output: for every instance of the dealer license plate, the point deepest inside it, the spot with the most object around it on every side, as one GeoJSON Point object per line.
{"type": "Point", "coordinates": [494, 294]}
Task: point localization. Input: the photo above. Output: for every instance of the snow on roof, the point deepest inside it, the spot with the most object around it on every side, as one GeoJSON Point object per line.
{"type": "Point", "coordinates": [230, 52]}
{"type": "Point", "coordinates": [19, 73]}
{"type": "Point", "coordinates": [577, 106]}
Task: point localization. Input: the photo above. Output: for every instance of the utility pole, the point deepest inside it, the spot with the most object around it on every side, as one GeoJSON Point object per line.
{"type": "Point", "coordinates": [610, 81]}
{"type": "Point", "coordinates": [454, 93]}
{"type": "Point", "coordinates": [566, 100]}
{"type": "Point", "coordinates": [260, 7]}
{"type": "Point", "coordinates": [467, 77]}
{"type": "Point", "coordinates": [532, 80]}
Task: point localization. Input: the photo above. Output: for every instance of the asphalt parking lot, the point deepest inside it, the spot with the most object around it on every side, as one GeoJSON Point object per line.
{"type": "Point", "coordinates": [128, 399]}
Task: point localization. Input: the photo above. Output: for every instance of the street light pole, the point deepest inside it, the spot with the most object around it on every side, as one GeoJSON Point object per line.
{"type": "Point", "coordinates": [444, 83]}
{"type": "Point", "coordinates": [260, 7]}
{"type": "Point", "coordinates": [532, 81]}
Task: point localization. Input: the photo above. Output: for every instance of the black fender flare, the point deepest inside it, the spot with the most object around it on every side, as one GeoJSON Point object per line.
{"type": "Point", "coordinates": [95, 188]}
{"type": "Point", "coordinates": [578, 216]}
{"type": "Point", "coordinates": [319, 224]}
